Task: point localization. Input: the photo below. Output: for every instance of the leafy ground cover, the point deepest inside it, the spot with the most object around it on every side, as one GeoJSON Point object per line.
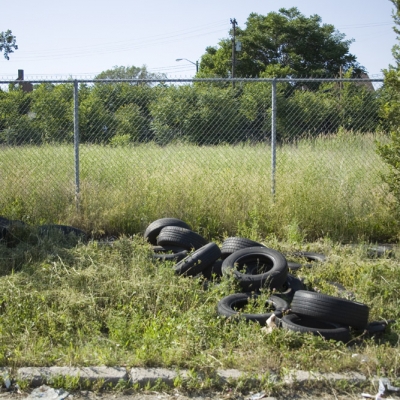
{"type": "Point", "coordinates": [328, 186]}
{"type": "Point", "coordinates": [63, 302]}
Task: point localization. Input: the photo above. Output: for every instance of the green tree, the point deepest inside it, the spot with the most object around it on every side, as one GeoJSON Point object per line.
{"type": "Point", "coordinates": [256, 106]}
{"type": "Point", "coordinates": [51, 108]}
{"type": "Point", "coordinates": [390, 110]}
{"type": "Point", "coordinates": [131, 124]}
{"type": "Point", "coordinates": [118, 112]}
{"type": "Point", "coordinates": [7, 43]}
{"type": "Point", "coordinates": [284, 42]}
{"type": "Point", "coordinates": [16, 120]}
{"type": "Point", "coordinates": [197, 114]}
{"type": "Point", "coordinates": [329, 108]}
{"type": "Point", "coordinates": [96, 121]}
{"type": "Point", "coordinates": [130, 72]}
{"type": "Point", "coordinates": [104, 112]}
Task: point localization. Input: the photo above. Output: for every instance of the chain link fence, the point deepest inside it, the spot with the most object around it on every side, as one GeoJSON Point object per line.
{"type": "Point", "coordinates": [148, 148]}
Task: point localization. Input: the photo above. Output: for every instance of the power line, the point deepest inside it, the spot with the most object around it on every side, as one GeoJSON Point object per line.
{"type": "Point", "coordinates": [147, 39]}
{"type": "Point", "coordinates": [371, 36]}
{"type": "Point", "coordinates": [103, 50]}
{"type": "Point", "coordinates": [170, 68]}
{"type": "Point", "coordinates": [132, 44]}
{"type": "Point", "coordinates": [366, 25]}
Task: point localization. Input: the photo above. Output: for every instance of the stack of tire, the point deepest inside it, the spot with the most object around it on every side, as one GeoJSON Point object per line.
{"type": "Point", "coordinates": [255, 267]}
{"type": "Point", "coordinates": [174, 240]}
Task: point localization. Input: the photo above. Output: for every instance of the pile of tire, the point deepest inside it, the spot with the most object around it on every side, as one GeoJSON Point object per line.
{"type": "Point", "coordinates": [256, 267]}
{"type": "Point", "coordinates": [172, 239]}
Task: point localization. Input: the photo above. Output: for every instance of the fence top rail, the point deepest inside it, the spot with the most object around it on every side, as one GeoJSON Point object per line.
{"type": "Point", "coordinates": [191, 80]}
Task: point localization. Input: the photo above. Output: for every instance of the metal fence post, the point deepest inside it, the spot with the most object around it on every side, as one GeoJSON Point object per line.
{"type": "Point", "coordinates": [76, 144]}
{"type": "Point", "coordinates": [273, 138]}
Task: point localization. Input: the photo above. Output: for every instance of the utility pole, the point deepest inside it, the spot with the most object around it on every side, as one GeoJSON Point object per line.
{"type": "Point", "coordinates": [234, 23]}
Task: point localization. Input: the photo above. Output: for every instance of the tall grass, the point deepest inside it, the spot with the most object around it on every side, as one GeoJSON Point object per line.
{"type": "Point", "coordinates": [325, 187]}
{"type": "Point", "coordinates": [66, 303]}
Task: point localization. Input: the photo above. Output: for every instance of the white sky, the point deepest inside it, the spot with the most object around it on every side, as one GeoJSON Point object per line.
{"type": "Point", "coordinates": [81, 38]}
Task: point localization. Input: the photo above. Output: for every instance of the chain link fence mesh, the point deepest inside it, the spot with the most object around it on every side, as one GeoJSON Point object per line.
{"type": "Point", "coordinates": [147, 149]}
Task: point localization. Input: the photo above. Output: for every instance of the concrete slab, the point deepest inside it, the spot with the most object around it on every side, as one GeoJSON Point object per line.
{"type": "Point", "coordinates": [301, 377]}
{"type": "Point", "coordinates": [152, 375]}
{"type": "Point", "coordinates": [40, 375]}
{"type": "Point", "coordinates": [227, 374]}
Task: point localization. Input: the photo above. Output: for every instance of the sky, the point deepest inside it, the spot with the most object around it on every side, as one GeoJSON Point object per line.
{"type": "Point", "coordinates": [81, 38]}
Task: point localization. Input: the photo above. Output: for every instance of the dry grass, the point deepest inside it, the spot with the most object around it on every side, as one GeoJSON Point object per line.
{"type": "Point", "coordinates": [66, 303]}
{"type": "Point", "coordinates": [325, 187]}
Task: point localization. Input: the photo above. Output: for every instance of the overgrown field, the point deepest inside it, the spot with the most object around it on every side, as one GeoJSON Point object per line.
{"type": "Point", "coordinates": [326, 187]}
{"type": "Point", "coordinates": [63, 302]}
{"type": "Point", "coordinates": [68, 303]}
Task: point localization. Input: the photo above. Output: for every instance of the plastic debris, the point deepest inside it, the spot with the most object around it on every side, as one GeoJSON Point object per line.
{"type": "Point", "coordinates": [360, 357]}
{"type": "Point", "coordinates": [384, 387]}
{"type": "Point", "coordinates": [257, 396]}
{"type": "Point", "coordinates": [47, 393]}
{"type": "Point", "coordinates": [6, 380]}
{"type": "Point", "coordinates": [270, 324]}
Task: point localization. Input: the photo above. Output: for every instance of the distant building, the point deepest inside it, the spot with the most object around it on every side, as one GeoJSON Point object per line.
{"type": "Point", "coordinates": [26, 86]}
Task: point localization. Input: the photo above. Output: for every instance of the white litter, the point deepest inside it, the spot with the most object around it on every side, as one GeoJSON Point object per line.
{"type": "Point", "coordinates": [6, 379]}
{"type": "Point", "coordinates": [384, 387]}
{"type": "Point", "coordinates": [47, 393]}
{"type": "Point", "coordinates": [360, 357]}
{"type": "Point", "coordinates": [270, 324]}
{"type": "Point", "coordinates": [257, 396]}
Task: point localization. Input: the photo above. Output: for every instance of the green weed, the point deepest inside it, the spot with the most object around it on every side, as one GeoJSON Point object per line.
{"type": "Point", "coordinates": [326, 187]}
{"type": "Point", "coordinates": [86, 305]}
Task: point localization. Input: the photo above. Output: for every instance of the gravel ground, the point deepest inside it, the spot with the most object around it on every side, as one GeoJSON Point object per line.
{"type": "Point", "coordinates": [304, 395]}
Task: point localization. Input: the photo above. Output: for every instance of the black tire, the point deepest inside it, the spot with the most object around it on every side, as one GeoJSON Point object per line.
{"type": "Point", "coordinates": [46, 230]}
{"type": "Point", "coordinates": [378, 326]}
{"type": "Point", "coordinates": [293, 266]}
{"type": "Point", "coordinates": [169, 253]}
{"type": "Point", "coordinates": [328, 330]}
{"type": "Point", "coordinates": [4, 221]}
{"type": "Point", "coordinates": [214, 270]}
{"type": "Point", "coordinates": [12, 231]}
{"type": "Point", "coordinates": [229, 305]}
{"type": "Point", "coordinates": [324, 307]}
{"type": "Point", "coordinates": [291, 286]}
{"type": "Point", "coordinates": [381, 251]}
{"type": "Point", "coordinates": [341, 289]}
{"type": "Point", "coordinates": [309, 256]}
{"type": "Point", "coordinates": [181, 237]}
{"type": "Point", "coordinates": [232, 244]}
{"type": "Point", "coordinates": [153, 230]}
{"type": "Point", "coordinates": [4, 224]}
{"type": "Point", "coordinates": [7, 224]}
{"type": "Point", "coordinates": [271, 273]}
{"type": "Point", "coordinates": [198, 260]}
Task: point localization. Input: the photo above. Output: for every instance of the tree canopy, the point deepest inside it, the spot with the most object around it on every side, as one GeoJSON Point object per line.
{"type": "Point", "coordinates": [280, 44]}
{"type": "Point", "coordinates": [129, 72]}
{"type": "Point", "coordinates": [390, 111]}
{"type": "Point", "coordinates": [7, 43]}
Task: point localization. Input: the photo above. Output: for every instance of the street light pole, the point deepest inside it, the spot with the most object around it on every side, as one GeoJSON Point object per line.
{"type": "Point", "coordinates": [194, 63]}
{"type": "Point", "coordinates": [234, 23]}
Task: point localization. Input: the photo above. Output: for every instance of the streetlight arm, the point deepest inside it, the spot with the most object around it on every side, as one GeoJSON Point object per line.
{"type": "Point", "coordinates": [181, 59]}
{"type": "Point", "coordinates": [194, 63]}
